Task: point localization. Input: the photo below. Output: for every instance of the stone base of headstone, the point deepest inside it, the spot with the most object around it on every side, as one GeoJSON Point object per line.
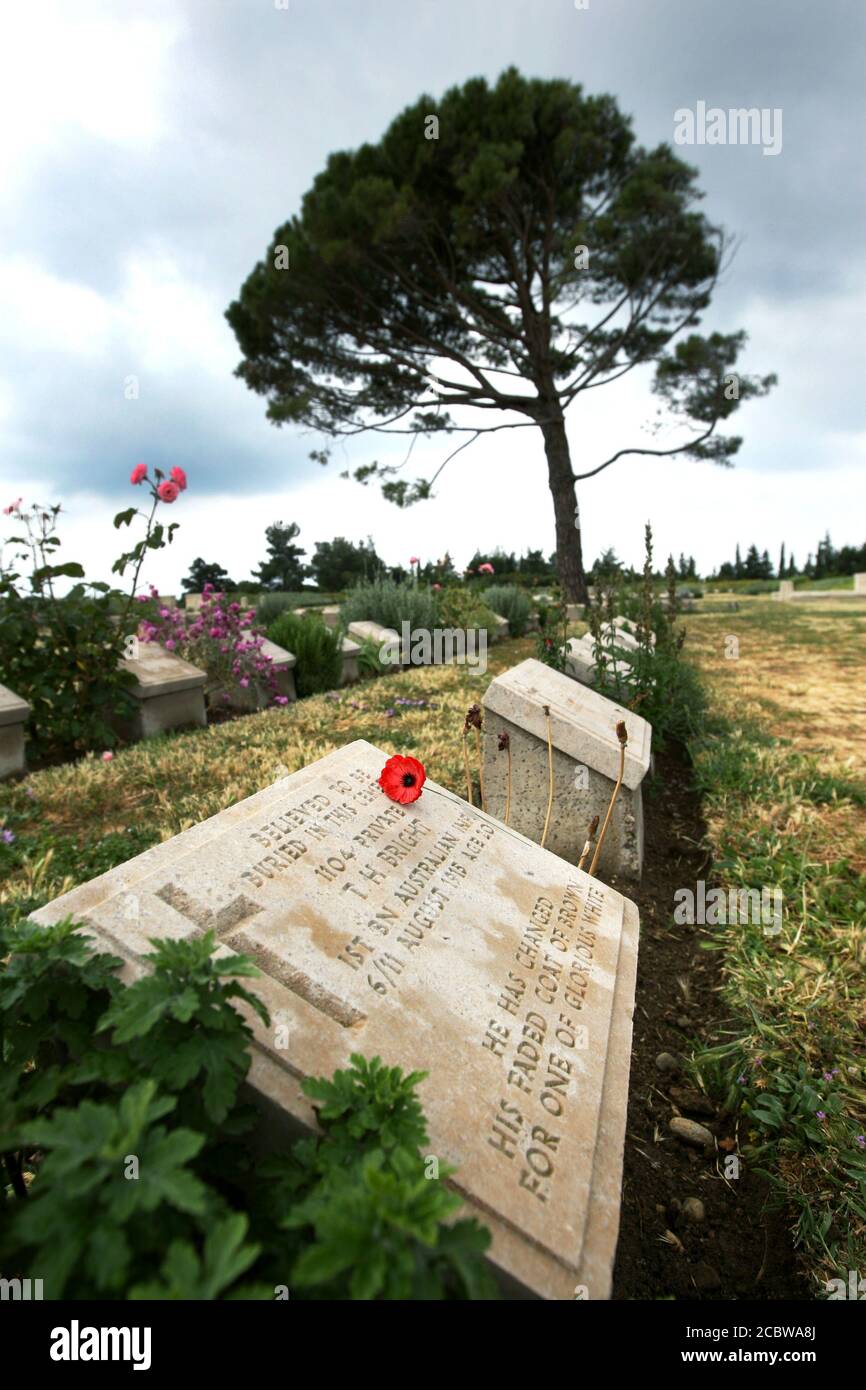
{"type": "Point", "coordinates": [462, 950]}
{"type": "Point", "coordinates": [499, 632]}
{"type": "Point", "coordinates": [351, 670]}
{"type": "Point", "coordinates": [14, 713]}
{"type": "Point", "coordinates": [330, 614]}
{"type": "Point", "coordinates": [585, 756]}
{"type": "Point", "coordinates": [168, 694]}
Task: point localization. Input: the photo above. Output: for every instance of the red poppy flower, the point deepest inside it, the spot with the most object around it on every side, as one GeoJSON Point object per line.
{"type": "Point", "coordinates": [402, 779]}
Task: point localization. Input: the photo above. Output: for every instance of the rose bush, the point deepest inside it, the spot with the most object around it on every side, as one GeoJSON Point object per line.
{"type": "Point", "coordinates": [221, 640]}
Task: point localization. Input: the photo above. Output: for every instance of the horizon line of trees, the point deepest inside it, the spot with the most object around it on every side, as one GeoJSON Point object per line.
{"type": "Point", "coordinates": [340, 563]}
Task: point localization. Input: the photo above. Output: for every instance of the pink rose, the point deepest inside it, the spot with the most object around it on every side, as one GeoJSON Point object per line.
{"type": "Point", "coordinates": [486, 569]}
{"type": "Point", "coordinates": [413, 560]}
{"type": "Point", "coordinates": [168, 492]}
{"type": "Point", "coordinates": [107, 757]}
{"type": "Point", "coordinates": [170, 644]}
{"type": "Point", "coordinates": [178, 476]}
{"type": "Point", "coordinates": [13, 507]}
{"type": "Point", "coordinates": [138, 474]}
{"type": "Point", "coordinates": [437, 586]}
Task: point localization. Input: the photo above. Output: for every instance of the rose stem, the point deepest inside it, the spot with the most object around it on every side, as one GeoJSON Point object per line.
{"type": "Point", "coordinates": [466, 765]}
{"type": "Point", "coordinates": [590, 835]}
{"type": "Point", "coordinates": [622, 735]}
{"type": "Point", "coordinates": [549, 777]}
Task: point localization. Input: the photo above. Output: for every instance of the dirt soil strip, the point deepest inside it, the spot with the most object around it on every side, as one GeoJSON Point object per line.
{"type": "Point", "coordinates": [740, 1250]}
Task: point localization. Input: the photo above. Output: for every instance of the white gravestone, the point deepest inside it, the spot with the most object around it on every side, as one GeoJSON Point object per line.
{"type": "Point", "coordinates": [435, 938]}
{"type": "Point", "coordinates": [585, 756]}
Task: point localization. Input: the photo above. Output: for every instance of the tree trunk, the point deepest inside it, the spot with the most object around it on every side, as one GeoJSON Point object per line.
{"type": "Point", "coordinates": [569, 552]}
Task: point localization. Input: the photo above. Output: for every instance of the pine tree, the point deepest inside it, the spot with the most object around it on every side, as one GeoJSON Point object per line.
{"type": "Point", "coordinates": [782, 573]}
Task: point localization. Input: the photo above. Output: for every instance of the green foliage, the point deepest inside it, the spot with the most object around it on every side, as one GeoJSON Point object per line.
{"type": "Point", "coordinates": [512, 603]}
{"type": "Point", "coordinates": [461, 607]}
{"type": "Point", "coordinates": [201, 573]}
{"type": "Point", "coordinates": [179, 1028]}
{"type": "Point", "coordinates": [318, 650]}
{"type": "Point", "coordinates": [391, 604]}
{"type": "Point", "coordinates": [552, 635]}
{"type": "Point", "coordinates": [62, 653]}
{"type": "Point", "coordinates": [126, 1150]}
{"type": "Point", "coordinates": [283, 568]}
{"type": "Point", "coordinates": [270, 606]}
{"type": "Point", "coordinates": [62, 658]}
{"type": "Point", "coordinates": [374, 1217]}
{"type": "Point", "coordinates": [654, 680]}
{"type": "Point", "coordinates": [339, 563]}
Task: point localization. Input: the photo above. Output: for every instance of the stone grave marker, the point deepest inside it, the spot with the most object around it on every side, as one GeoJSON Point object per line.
{"type": "Point", "coordinates": [436, 938]}
{"type": "Point", "coordinates": [580, 659]}
{"type": "Point", "coordinates": [351, 671]}
{"type": "Point", "coordinates": [168, 693]}
{"type": "Point", "coordinates": [860, 584]}
{"type": "Point", "coordinates": [14, 713]}
{"type": "Point", "coordinates": [785, 590]}
{"type": "Point", "coordinates": [383, 637]}
{"type": "Point", "coordinates": [585, 764]}
{"type": "Point", "coordinates": [254, 697]}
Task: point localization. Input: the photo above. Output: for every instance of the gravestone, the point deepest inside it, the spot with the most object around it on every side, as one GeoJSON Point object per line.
{"type": "Point", "coordinates": [330, 614]}
{"type": "Point", "coordinates": [579, 655]}
{"type": "Point", "coordinates": [586, 757]}
{"type": "Point", "coordinates": [438, 939]}
{"type": "Point", "coordinates": [499, 631]}
{"type": "Point", "coordinates": [14, 713]}
{"type": "Point", "coordinates": [168, 693]}
{"type": "Point", "coordinates": [350, 652]}
{"type": "Point", "coordinates": [386, 640]}
{"type": "Point", "coordinates": [785, 590]}
{"type": "Point", "coordinates": [628, 626]}
{"type": "Point", "coordinates": [193, 602]}
{"type": "Point", "coordinates": [860, 584]}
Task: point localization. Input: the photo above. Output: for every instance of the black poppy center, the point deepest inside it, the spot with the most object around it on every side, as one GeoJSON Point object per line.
{"type": "Point", "coordinates": [408, 779]}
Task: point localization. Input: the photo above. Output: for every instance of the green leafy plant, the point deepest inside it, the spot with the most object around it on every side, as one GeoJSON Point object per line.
{"type": "Point", "coordinates": [512, 603]}
{"type": "Point", "coordinates": [461, 607]}
{"type": "Point", "coordinates": [391, 604]}
{"type": "Point", "coordinates": [318, 650]}
{"type": "Point", "coordinates": [125, 1145]}
{"type": "Point", "coordinates": [63, 653]}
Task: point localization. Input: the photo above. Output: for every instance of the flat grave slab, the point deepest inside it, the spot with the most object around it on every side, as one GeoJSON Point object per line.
{"type": "Point", "coordinates": [435, 937]}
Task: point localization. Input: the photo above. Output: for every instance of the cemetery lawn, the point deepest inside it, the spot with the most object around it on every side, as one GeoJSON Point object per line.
{"type": "Point", "coordinates": [780, 769]}
{"type": "Point", "coordinates": [783, 775]}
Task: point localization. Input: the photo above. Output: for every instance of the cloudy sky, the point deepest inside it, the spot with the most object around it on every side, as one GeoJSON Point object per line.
{"type": "Point", "coordinates": [148, 151]}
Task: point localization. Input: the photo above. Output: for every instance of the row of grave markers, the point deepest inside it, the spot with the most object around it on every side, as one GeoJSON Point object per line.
{"type": "Point", "coordinates": [444, 940]}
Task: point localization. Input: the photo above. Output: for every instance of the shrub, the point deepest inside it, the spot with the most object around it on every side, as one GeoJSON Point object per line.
{"type": "Point", "coordinates": [63, 654]}
{"type": "Point", "coordinates": [98, 1075]}
{"type": "Point", "coordinates": [270, 606]}
{"type": "Point", "coordinates": [512, 603]}
{"type": "Point", "coordinates": [461, 608]}
{"type": "Point", "coordinates": [391, 604]}
{"type": "Point", "coordinates": [220, 639]}
{"type": "Point", "coordinates": [317, 648]}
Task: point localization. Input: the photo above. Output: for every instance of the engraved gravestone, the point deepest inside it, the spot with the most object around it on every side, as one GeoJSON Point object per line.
{"type": "Point", "coordinates": [582, 740]}
{"type": "Point", "coordinates": [436, 938]}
